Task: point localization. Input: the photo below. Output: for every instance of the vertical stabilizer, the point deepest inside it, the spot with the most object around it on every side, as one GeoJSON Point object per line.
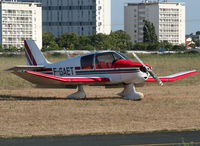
{"type": "Point", "coordinates": [33, 54]}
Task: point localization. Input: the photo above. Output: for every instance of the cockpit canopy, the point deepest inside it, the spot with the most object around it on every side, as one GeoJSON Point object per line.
{"type": "Point", "coordinates": [101, 60]}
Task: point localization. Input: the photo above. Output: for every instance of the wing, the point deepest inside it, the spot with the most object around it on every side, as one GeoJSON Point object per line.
{"type": "Point", "coordinates": [173, 77]}
{"type": "Point", "coordinates": [55, 81]}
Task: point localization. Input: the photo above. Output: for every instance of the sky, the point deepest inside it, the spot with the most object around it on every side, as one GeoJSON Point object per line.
{"type": "Point", "coordinates": [192, 14]}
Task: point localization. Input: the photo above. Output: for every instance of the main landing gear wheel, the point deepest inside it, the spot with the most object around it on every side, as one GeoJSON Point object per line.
{"type": "Point", "coordinates": [129, 93]}
{"type": "Point", "coordinates": [80, 94]}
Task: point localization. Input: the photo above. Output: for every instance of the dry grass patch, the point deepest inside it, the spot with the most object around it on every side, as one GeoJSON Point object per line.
{"type": "Point", "coordinates": [28, 115]}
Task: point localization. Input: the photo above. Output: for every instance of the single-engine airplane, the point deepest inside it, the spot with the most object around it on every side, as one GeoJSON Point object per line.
{"type": "Point", "coordinates": [101, 68]}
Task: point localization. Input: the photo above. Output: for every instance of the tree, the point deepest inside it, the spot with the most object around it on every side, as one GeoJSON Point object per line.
{"type": "Point", "coordinates": [193, 45]}
{"type": "Point", "coordinates": [84, 42]}
{"type": "Point", "coordinates": [198, 33]}
{"type": "Point", "coordinates": [53, 46]}
{"type": "Point", "coordinates": [68, 40]}
{"type": "Point", "coordinates": [146, 32]}
{"type": "Point", "coordinates": [166, 45]}
{"type": "Point", "coordinates": [149, 33]}
{"type": "Point", "coordinates": [12, 49]}
{"type": "Point", "coordinates": [100, 41]}
{"type": "Point", "coordinates": [47, 37]}
{"type": "Point", "coordinates": [179, 48]}
{"type": "Point", "coordinates": [140, 46]}
{"type": "Point", "coordinates": [1, 48]}
{"type": "Point", "coordinates": [89, 47]}
{"type": "Point", "coordinates": [120, 40]}
{"type": "Point", "coordinates": [197, 43]}
{"type": "Point", "coordinates": [153, 46]}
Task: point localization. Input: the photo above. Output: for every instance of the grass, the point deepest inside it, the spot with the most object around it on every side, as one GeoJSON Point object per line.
{"type": "Point", "coordinates": [27, 111]}
{"type": "Point", "coordinates": [8, 80]}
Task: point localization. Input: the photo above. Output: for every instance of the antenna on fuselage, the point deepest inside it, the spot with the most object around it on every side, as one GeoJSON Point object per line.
{"type": "Point", "coordinates": [67, 53]}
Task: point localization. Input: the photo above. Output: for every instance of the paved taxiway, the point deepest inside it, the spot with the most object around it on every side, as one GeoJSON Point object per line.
{"type": "Point", "coordinates": [139, 139]}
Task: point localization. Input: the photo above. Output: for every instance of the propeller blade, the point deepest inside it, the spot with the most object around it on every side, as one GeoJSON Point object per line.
{"type": "Point", "coordinates": [149, 70]}
{"type": "Point", "coordinates": [139, 60]}
{"type": "Point", "coordinates": [155, 77]}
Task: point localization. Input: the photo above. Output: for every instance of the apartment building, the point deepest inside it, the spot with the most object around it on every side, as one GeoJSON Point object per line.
{"type": "Point", "coordinates": [84, 17]}
{"type": "Point", "coordinates": [167, 17]}
{"type": "Point", "coordinates": [20, 21]}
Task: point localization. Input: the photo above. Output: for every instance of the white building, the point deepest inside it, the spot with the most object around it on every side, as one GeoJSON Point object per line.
{"type": "Point", "coordinates": [167, 17]}
{"type": "Point", "coordinates": [83, 17]}
{"type": "Point", "coordinates": [20, 21]}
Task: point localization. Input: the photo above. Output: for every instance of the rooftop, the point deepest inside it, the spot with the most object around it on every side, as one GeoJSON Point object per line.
{"type": "Point", "coordinates": [16, 2]}
{"type": "Point", "coordinates": [155, 3]}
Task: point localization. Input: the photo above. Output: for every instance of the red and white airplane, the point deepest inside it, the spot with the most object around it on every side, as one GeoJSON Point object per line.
{"type": "Point", "coordinates": [101, 68]}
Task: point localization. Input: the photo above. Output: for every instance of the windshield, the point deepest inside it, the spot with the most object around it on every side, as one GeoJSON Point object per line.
{"type": "Point", "coordinates": [124, 56]}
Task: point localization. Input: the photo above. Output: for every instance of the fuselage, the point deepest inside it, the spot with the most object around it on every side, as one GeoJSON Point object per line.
{"type": "Point", "coordinates": [103, 64]}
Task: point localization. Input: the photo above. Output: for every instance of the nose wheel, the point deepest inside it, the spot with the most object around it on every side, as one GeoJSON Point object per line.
{"type": "Point", "coordinates": [129, 93]}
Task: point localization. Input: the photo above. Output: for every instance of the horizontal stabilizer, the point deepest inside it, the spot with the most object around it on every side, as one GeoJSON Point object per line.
{"type": "Point", "coordinates": [174, 77]}
{"type": "Point", "coordinates": [24, 67]}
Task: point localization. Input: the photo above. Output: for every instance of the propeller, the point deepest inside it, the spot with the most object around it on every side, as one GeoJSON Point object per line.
{"type": "Point", "coordinates": [149, 70]}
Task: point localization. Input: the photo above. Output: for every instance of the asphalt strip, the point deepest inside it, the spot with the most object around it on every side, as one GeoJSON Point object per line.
{"type": "Point", "coordinates": [139, 139]}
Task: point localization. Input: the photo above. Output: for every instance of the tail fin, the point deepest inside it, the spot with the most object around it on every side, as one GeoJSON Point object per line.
{"type": "Point", "coordinates": [33, 54]}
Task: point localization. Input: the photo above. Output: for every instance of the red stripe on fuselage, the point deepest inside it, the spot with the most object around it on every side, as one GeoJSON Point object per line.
{"type": "Point", "coordinates": [69, 79]}
{"type": "Point", "coordinates": [29, 53]}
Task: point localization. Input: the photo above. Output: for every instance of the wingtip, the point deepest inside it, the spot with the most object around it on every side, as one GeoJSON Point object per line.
{"type": "Point", "coordinates": [8, 69]}
{"type": "Point", "coordinates": [161, 84]}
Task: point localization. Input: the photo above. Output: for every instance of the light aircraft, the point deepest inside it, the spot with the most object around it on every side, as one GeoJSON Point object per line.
{"type": "Point", "coordinates": [101, 68]}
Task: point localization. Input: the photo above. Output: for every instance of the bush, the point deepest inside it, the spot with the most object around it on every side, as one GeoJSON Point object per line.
{"type": "Point", "coordinates": [140, 46]}
{"type": "Point", "coordinates": [52, 46]}
{"type": "Point", "coordinates": [153, 46]}
{"type": "Point", "coordinates": [88, 47]}
{"type": "Point", "coordinates": [178, 48]}
{"type": "Point", "coordinates": [56, 54]}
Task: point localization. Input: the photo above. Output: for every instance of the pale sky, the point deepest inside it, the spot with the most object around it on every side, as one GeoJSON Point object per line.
{"type": "Point", "coordinates": [192, 14]}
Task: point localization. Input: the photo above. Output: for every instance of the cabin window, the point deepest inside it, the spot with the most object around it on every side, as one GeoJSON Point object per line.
{"type": "Point", "coordinates": [87, 62]}
{"type": "Point", "coordinates": [106, 60]}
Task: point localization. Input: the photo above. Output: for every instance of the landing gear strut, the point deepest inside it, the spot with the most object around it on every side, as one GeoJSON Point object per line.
{"type": "Point", "coordinates": [130, 93]}
{"type": "Point", "coordinates": [80, 94]}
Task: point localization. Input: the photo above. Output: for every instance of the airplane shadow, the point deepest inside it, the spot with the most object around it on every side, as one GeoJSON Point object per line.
{"type": "Point", "coordinates": [102, 98]}
{"type": "Point", "coordinates": [24, 98]}
{"type": "Point", "coordinates": [13, 97]}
